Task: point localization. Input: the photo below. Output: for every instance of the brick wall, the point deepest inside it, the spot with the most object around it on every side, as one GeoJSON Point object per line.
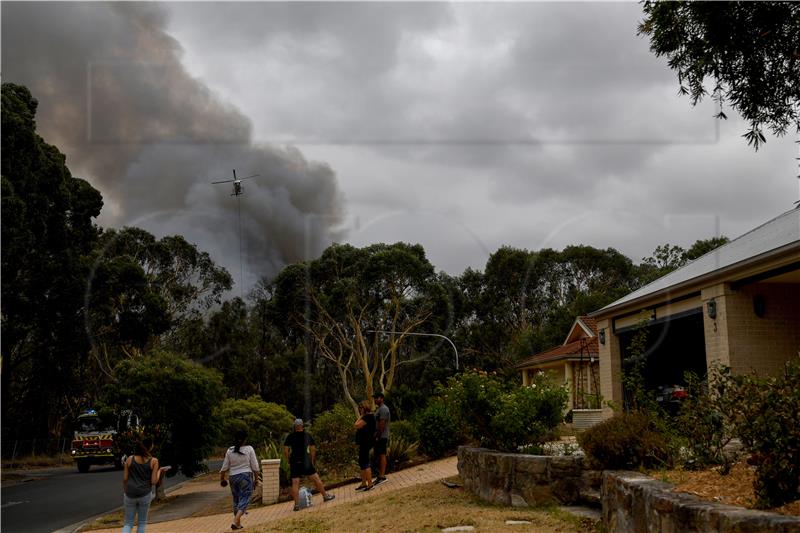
{"type": "Point", "coordinates": [610, 369]}
{"type": "Point", "coordinates": [746, 342]}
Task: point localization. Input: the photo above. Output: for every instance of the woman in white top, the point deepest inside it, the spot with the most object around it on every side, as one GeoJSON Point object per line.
{"type": "Point", "coordinates": [241, 466]}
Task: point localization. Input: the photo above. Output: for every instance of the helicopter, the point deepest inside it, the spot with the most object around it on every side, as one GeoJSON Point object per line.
{"type": "Point", "coordinates": [237, 183]}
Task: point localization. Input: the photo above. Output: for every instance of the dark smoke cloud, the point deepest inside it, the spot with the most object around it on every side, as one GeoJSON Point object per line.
{"type": "Point", "coordinates": [116, 99]}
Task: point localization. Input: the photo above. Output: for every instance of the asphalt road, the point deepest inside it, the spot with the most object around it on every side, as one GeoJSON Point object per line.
{"type": "Point", "coordinates": [59, 497]}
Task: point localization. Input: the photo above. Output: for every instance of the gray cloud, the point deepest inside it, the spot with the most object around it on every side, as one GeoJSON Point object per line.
{"type": "Point", "coordinates": [573, 131]}
{"type": "Point", "coordinates": [115, 97]}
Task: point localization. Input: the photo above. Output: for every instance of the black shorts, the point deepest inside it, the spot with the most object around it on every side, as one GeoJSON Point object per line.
{"type": "Point", "coordinates": [380, 446]}
{"type": "Point", "coordinates": [363, 457]}
{"type": "Point", "coordinates": [300, 470]}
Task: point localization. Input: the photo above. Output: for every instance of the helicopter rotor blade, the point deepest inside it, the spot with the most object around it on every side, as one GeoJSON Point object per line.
{"type": "Point", "coordinates": [225, 181]}
{"type": "Point", "coordinates": [248, 177]}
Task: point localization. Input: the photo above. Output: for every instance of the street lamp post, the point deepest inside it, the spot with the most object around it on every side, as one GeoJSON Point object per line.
{"type": "Point", "coordinates": [419, 335]}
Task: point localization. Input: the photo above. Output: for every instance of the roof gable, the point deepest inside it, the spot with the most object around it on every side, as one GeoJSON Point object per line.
{"type": "Point", "coordinates": [582, 328]}
{"type": "Point", "coordinates": [581, 342]}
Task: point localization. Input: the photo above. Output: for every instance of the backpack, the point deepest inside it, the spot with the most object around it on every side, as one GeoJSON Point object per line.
{"type": "Point", "coordinates": [304, 497]}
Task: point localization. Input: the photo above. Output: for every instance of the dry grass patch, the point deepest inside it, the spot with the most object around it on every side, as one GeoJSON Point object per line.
{"type": "Point", "coordinates": [426, 508]}
{"type": "Point", "coordinates": [38, 461]}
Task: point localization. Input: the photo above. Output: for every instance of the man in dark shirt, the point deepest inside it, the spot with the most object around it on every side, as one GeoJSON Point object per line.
{"type": "Point", "coordinates": [382, 420]}
{"type": "Point", "coordinates": [301, 454]}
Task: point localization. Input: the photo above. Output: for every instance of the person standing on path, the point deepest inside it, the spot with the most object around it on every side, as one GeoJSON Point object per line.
{"type": "Point", "coordinates": [365, 438]}
{"type": "Point", "coordinates": [382, 419]}
{"type": "Point", "coordinates": [241, 465]}
{"type": "Point", "coordinates": [141, 474]}
{"type": "Point", "coordinates": [301, 454]}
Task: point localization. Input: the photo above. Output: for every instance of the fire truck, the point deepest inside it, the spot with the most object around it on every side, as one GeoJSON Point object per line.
{"type": "Point", "coordinates": [97, 443]}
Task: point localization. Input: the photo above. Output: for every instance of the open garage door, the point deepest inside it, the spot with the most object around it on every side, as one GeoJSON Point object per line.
{"type": "Point", "coordinates": [673, 347]}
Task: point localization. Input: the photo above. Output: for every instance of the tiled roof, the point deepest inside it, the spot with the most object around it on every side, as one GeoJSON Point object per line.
{"type": "Point", "coordinates": [565, 351]}
{"type": "Point", "coordinates": [590, 322]}
{"type": "Point", "coordinates": [781, 231]}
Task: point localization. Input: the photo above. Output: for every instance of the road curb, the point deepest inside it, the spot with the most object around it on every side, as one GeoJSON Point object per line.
{"type": "Point", "coordinates": [76, 527]}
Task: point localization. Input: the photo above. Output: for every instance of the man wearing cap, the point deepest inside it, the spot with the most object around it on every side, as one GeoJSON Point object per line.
{"type": "Point", "coordinates": [382, 419]}
{"type": "Point", "coordinates": [301, 454]}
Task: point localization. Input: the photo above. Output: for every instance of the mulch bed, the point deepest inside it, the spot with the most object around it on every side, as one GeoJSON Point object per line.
{"type": "Point", "coordinates": [735, 488]}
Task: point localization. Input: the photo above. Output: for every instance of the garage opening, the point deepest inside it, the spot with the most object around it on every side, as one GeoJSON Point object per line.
{"type": "Point", "coordinates": [670, 349]}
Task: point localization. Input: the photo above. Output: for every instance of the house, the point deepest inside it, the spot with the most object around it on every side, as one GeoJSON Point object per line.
{"type": "Point", "coordinates": [574, 362]}
{"type": "Point", "coordinates": [738, 305]}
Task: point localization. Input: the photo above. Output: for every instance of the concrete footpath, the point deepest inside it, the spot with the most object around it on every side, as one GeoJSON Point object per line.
{"type": "Point", "coordinates": [166, 519]}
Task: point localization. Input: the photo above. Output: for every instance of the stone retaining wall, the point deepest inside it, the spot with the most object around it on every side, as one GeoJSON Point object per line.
{"type": "Point", "coordinates": [520, 480]}
{"type": "Point", "coordinates": [636, 503]}
{"type": "Point", "coordinates": [631, 502]}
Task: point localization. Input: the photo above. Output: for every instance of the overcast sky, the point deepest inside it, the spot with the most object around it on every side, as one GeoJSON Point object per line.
{"type": "Point", "coordinates": [463, 127]}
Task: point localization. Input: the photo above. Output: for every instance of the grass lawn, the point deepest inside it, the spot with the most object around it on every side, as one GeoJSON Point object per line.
{"type": "Point", "coordinates": [430, 508]}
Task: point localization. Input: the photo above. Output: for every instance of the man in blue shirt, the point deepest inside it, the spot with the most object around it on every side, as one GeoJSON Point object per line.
{"type": "Point", "coordinates": [382, 419]}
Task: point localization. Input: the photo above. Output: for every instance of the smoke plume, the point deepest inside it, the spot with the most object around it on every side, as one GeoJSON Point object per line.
{"type": "Point", "coordinates": [115, 98]}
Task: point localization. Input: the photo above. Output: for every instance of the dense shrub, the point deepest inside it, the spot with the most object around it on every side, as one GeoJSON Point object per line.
{"type": "Point", "coordinates": [334, 434]}
{"type": "Point", "coordinates": [473, 397]}
{"type": "Point", "coordinates": [627, 440]}
{"type": "Point", "coordinates": [764, 413]}
{"type": "Point", "coordinates": [176, 399]}
{"type": "Point", "coordinates": [404, 429]}
{"type": "Point", "coordinates": [437, 428]}
{"type": "Point", "coordinates": [526, 416]}
{"type": "Point", "coordinates": [705, 421]}
{"type": "Point", "coordinates": [265, 422]}
{"type": "Point", "coordinates": [768, 424]}
{"type": "Point", "coordinates": [501, 416]}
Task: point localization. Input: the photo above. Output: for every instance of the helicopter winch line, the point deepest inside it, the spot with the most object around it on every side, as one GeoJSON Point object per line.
{"type": "Point", "coordinates": [238, 191]}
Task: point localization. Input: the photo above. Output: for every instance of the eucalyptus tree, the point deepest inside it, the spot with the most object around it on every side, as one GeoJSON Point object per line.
{"type": "Point", "coordinates": [47, 229]}
{"type": "Point", "coordinates": [747, 53]}
{"type": "Point", "coordinates": [345, 299]}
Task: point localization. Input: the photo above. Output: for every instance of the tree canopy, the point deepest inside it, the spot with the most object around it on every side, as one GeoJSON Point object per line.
{"type": "Point", "coordinates": [47, 229]}
{"type": "Point", "coordinates": [176, 400]}
{"type": "Point", "coordinates": [344, 298]}
{"type": "Point", "coordinates": [747, 53]}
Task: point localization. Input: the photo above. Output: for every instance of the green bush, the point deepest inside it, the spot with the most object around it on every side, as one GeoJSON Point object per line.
{"type": "Point", "coordinates": [504, 417]}
{"type": "Point", "coordinates": [627, 440]}
{"type": "Point", "coordinates": [705, 419]}
{"type": "Point", "coordinates": [335, 437]}
{"type": "Point", "coordinates": [526, 416]}
{"type": "Point", "coordinates": [768, 424]}
{"type": "Point", "coordinates": [438, 429]}
{"type": "Point", "coordinates": [764, 413]}
{"type": "Point", "coordinates": [473, 397]}
{"type": "Point", "coordinates": [264, 422]}
{"type": "Point", "coordinates": [404, 429]}
{"type": "Point", "coordinates": [176, 399]}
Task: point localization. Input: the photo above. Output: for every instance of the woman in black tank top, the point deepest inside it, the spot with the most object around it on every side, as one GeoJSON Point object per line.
{"type": "Point", "coordinates": [141, 474]}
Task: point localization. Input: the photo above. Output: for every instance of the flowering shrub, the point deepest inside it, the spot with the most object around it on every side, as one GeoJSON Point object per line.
{"type": "Point", "coordinates": [502, 416]}
{"type": "Point", "coordinates": [474, 398]}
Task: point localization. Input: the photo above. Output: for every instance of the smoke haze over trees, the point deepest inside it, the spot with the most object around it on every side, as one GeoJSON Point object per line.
{"type": "Point", "coordinates": [119, 103]}
{"type": "Point", "coordinates": [83, 305]}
